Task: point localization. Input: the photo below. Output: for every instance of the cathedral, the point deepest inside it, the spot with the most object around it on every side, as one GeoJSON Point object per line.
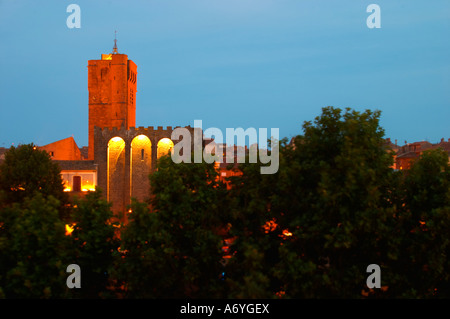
{"type": "Point", "coordinates": [119, 156]}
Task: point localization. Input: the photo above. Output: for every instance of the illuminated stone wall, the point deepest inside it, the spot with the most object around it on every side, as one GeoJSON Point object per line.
{"type": "Point", "coordinates": [115, 187]}
{"type": "Point", "coordinates": [126, 157]}
{"type": "Point", "coordinates": [140, 167]}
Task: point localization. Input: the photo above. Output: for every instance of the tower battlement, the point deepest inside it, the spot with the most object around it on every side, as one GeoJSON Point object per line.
{"type": "Point", "coordinates": [131, 132]}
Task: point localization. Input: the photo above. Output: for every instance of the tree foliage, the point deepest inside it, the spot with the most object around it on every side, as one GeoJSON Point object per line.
{"type": "Point", "coordinates": [175, 251]}
{"type": "Point", "coordinates": [94, 242]}
{"type": "Point", "coordinates": [327, 196]}
{"type": "Point", "coordinates": [421, 246]}
{"type": "Point", "coordinates": [33, 249]}
{"type": "Point", "coordinates": [27, 170]}
{"type": "Point", "coordinates": [334, 207]}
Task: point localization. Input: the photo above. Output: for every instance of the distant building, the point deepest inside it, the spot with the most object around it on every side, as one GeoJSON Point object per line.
{"type": "Point", "coordinates": [407, 154]}
{"type": "Point", "coordinates": [228, 167]}
{"type": "Point", "coordinates": [66, 149]}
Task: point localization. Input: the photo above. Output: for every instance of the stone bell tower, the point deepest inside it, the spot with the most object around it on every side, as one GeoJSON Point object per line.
{"type": "Point", "coordinates": [112, 93]}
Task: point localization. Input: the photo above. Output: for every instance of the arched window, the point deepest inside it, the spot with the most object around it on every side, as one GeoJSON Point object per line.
{"type": "Point", "coordinates": [115, 168]}
{"type": "Point", "coordinates": [140, 166]}
{"type": "Point", "coordinates": [165, 146]}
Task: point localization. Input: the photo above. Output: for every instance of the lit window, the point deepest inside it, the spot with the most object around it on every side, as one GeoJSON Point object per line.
{"type": "Point", "coordinates": [164, 146]}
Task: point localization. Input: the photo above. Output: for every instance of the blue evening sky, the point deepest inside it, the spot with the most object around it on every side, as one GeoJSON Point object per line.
{"type": "Point", "coordinates": [229, 63]}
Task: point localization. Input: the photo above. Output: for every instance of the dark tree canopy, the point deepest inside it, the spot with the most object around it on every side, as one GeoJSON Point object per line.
{"type": "Point", "coordinates": [334, 207]}
{"type": "Point", "coordinates": [27, 170]}
{"type": "Point", "coordinates": [175, 251]}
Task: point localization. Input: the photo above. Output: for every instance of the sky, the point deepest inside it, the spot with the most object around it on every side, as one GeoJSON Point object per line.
{"type": "Point", "coordinates": [230, 63]}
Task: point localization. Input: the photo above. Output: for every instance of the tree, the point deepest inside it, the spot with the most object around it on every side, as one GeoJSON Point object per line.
{"type": "Point", "coordinates": [33, 245]}
{"type": "Point", "coordinates": [340, 223]}
{"type": "Point", "coordinates": [322, 219]}
{"type": "Point", "coordinates": [94, 241]}
{"type": "Point", "coordinates": [34, 251]}
{"type": "Point", "coordinates": [26, 171]}
{"type": "Point", "coordinates": [254, 227]}
{"type": "Point", "coordinates": [175, 250]}
{"type": "Point", "coordinates": [421, 246]}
